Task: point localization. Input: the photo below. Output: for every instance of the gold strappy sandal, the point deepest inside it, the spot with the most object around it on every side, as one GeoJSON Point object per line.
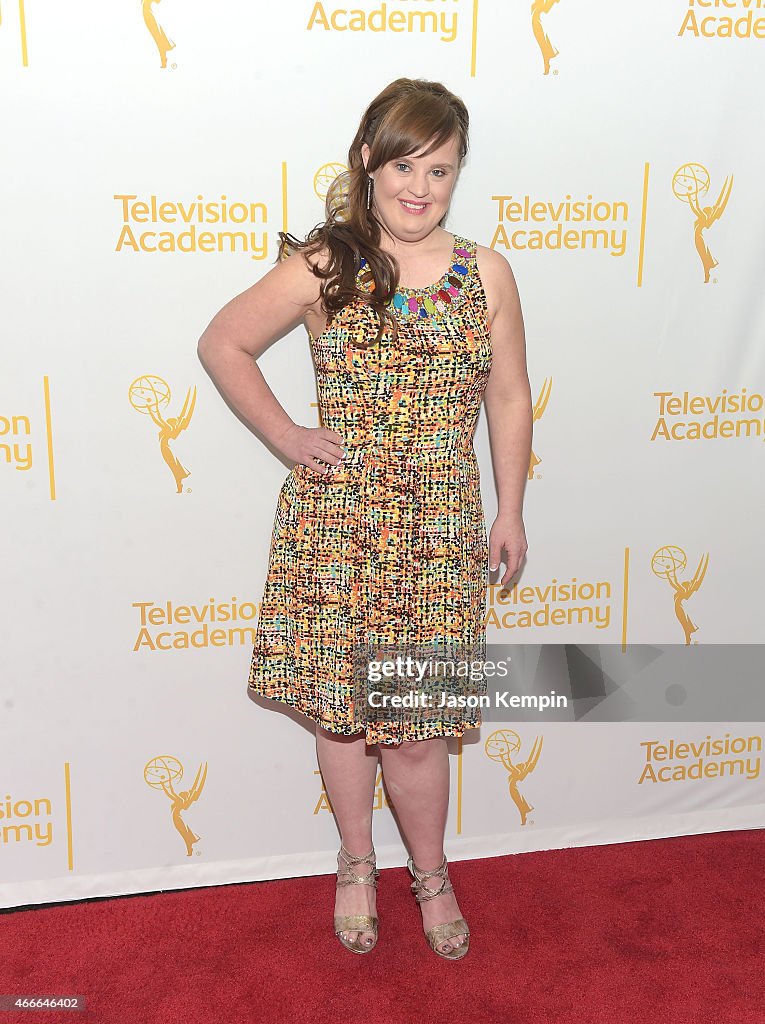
{"type": "Point", "coordinates": [356, 922]}
{"type": "Point", "coordinates": [439, 932]}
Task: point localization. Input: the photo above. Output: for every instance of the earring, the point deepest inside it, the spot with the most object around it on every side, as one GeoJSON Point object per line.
{"type": "Point", "coordinates": [369, 192]}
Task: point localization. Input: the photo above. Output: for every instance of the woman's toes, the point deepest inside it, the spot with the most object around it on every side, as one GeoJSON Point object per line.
{"type": "Point", "coordinates": [359, 938]}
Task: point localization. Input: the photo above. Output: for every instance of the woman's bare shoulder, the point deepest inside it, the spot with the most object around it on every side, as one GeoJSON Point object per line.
{"type": "Point", "coordinates": [309, 284]}
{"type": "Point", "coordinates": [497, 278]}
{"type": "Point", "coordinates": [316, 258]}
{"type": "Point", "coordinates": [296, 272]}
{"type": "Point", "coordinates": [492, 262]}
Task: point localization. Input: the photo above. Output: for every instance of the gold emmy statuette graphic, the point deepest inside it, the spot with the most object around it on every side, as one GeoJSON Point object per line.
{"type": "Point", "coordinates": [548, 51]}
{"type": "Point", "coordinates": [158, 34]}
{"type": "Point", "coordinates": [539, 407]}
{"type": "Point", "coordinates": [146, 395]}
{"type": "Point", "coordinates": [666, 563]}
{"type": "Point", "coordinates": [689, 182]}
{"type": "Point", "coordinates": [160, 773]}
{"type": "Point", "coordinates": [502, 746]}
{"type": "Point", "coordinates": [324, 177]}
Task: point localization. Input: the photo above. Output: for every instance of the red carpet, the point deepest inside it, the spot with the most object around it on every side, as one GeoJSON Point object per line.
{"type": "Point", "coordinates": [665, 931]}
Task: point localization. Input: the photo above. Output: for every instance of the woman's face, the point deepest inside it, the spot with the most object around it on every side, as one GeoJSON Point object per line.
{"type": "Point", "coordinates": [411, 194]}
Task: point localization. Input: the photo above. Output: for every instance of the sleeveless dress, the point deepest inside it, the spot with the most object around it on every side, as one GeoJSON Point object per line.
{"type": "Point", "coordinates": [389, 546]}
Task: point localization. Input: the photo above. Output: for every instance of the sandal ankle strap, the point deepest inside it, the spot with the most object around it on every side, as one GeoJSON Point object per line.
{"type": "Point", "coordinates": [351, 877]}
{"type": "Point", "coordinates": [424, 892]}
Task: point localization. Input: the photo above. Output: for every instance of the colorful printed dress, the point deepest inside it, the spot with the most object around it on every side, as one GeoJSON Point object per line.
{"type": "Point", "coordinates": [389, 546]}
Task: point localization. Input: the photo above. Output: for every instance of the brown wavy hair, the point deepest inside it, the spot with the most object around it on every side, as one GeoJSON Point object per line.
{"type": "Point", "coordinates": [400, 121]}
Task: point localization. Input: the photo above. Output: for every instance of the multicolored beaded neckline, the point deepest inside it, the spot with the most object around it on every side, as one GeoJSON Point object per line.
{"type": "Point", "coordinates": [422, 303]}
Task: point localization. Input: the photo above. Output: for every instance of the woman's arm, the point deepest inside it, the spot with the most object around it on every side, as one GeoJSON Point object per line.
{"type": "Point", "coordinates": [240, 332]}
{"type": "Point", "coordinates": [508, 408]}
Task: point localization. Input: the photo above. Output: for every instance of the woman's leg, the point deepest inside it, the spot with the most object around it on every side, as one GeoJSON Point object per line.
{"type": "Point", "coordinates": [349, 768]}
{"type": "Point", "coordinates": [416, 777]}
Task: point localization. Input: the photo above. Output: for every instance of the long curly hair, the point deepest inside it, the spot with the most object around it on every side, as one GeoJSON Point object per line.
{"type": "Point", "coordinates": [401, 120]}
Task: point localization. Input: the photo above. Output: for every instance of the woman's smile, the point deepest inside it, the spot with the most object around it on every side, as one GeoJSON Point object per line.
{"type": "Point", "coordinates": [414, 208]}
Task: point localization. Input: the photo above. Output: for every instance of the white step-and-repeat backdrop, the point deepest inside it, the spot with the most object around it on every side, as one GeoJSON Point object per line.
{"type": "Point", "coordinates": [151, 153]}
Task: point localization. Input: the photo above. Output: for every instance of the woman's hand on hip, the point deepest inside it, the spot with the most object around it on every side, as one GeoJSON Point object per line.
{"type": "Point", "coordinates": [312, 446]}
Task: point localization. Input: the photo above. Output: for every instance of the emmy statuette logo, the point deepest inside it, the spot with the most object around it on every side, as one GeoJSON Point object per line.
{"type": "Point", "coordinates": [503, 746]}
{"type": "Point", "coordinates": [161, 773]}
{"type": "Point", "coordinates": [546, 48]}
{"type": "Point", "coordinates": [161, 39]}
{"type": "Point", "coordinates": [689, 183]}
{"type": "Point", "coordinates": [324, 177]}
{"type": "Point", "coordinates": [148, 395]}
{"type": "Point", "coordinates": [666, 563]}
{"type": "Point", "coordinates": [539, 407]}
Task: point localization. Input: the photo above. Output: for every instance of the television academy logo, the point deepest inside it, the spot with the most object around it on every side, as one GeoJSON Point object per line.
{"type": "Point", "coordinates": [539, 407]}
{"type": "Point", "coordinates": [27, 440]}
{"type": "Point", "coordinates": [503, 746]}
{"type": "Point", "coordinates": [527, 223]}
{"type": "Point", "coordinates": [169, 625]}
{"type": "Point", "coordinates": [689, 183]}
{"type": "Point", "coordinates": [147, 395]}
{"type": "Point", "coordinates": [689, 416]}
{"type": "Point", "coordinates": [699, 760]}
{"type": "Point", "coordinates": [163, 773]}
{"type": "Point", "coordinates": [738, 21]}
{"type": "Point", "coordinates": [16, 441]}
{"type": "Point", "coordinates": [161, 39]}
{"type": "Point", "coordinates": [324, 177]}
{"type": "Point", "coordinates": [415, 17]}
{"type": "Point", "coordinates": [546, 48]}
{"type": "Point", "coordinates": [153, 224]}
{"type": "Point", "coordinates": [28, 820]}
{"type": "Point", "coordinates": [667, 563]}
{"type": "Point", "coordinates": [576, 602]}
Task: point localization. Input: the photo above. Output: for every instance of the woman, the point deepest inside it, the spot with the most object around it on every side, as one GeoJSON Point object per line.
{"type": "Point", "coordinates": [379, 536]}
